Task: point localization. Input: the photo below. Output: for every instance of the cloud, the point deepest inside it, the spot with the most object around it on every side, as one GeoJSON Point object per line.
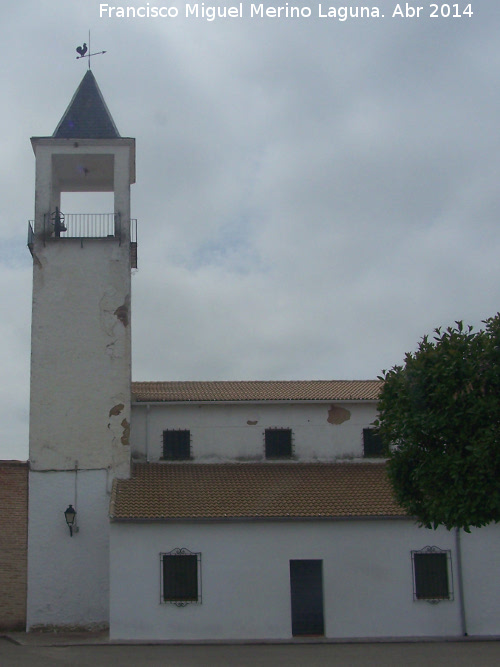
{"type": "Point", "coordinates": [312, 196]}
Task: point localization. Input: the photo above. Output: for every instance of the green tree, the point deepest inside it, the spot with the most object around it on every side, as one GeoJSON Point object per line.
{"type": "Point", "coordinates": [440, 418]}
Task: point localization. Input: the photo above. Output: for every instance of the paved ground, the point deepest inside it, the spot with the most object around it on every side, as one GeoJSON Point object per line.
{"type": "Point", "coordinates": [407, 654]}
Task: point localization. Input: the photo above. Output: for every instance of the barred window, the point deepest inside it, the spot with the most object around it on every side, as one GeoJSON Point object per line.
{"type": "Point", "coordinates": [278, 442]}
{"type": "Point", "coordinates": [176, 445]}
{"type": "Point", "coordinates": [372, 443]}
{"type": "Point", "coordinates": [180, 577]}
{"type": "Point", "coordinates": [432, 580]}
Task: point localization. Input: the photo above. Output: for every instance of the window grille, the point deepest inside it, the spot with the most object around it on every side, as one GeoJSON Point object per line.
{"type": "Point", "coordinates": [176, 445]}
{"type": "Point", "coordinates": [278, 443]}
{"type": "Point", "coordinates": [180, 577]}
{"type": "Point", "coordinates": [372, 443]}
{"type": "Point", "coordinates": [432, 574]}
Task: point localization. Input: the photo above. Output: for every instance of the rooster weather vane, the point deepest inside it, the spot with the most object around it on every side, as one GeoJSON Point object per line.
{"type": "Point", "coordinates": [82, 51]}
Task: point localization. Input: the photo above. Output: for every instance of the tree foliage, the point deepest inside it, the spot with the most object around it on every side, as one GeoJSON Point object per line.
{"type": "Point", "coordinates": [440, 418]}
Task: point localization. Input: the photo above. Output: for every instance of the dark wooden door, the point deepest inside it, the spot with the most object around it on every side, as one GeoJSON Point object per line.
{"type": "Point", "coordinates": [306, 587]}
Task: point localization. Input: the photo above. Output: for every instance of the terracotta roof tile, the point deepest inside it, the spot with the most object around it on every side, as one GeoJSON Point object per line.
{"type": "Point", "coordinates": [301, 390]}
{"type": "Point", "coordinates": [162, 491]}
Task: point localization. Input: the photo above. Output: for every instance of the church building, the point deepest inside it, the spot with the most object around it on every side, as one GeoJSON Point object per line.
{"type": "Point", "coordinates": [191, 511]}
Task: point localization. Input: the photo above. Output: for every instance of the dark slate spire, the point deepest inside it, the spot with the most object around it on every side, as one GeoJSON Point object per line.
{"type": "Point", "coordinates": [87, 116]}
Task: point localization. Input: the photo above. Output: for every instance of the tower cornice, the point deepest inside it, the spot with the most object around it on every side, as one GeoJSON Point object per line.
{"type": "Point", "coordinates": [75, 147]}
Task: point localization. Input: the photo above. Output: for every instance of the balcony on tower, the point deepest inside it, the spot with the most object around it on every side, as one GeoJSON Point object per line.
{"type": "Point", "coordinates": [59, 226]}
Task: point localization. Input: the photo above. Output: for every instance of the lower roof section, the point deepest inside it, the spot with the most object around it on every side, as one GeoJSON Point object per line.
{"type": "Point", "coordinates": [177, 491]}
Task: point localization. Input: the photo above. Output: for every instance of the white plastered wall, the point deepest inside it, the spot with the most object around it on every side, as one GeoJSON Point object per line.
{"type": "Point", "coordinates": [481, 561]}
{"type": "Point", "coordinates": [367, 579]}
{"type": "Point", "coordinates": [68, 577]}
{"type": "Point", "coordinates": [236, 431]}
{"type": "Point", "coordinates": [80, 382]}
{"type": "Point", "coordinates": [80, 407]}
{"type": "Point", "coordinates": [81, 351]}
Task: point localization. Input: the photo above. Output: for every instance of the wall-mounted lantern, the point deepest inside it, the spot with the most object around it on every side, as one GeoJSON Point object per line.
{"type": "Point", "coordinates": [70, 515]}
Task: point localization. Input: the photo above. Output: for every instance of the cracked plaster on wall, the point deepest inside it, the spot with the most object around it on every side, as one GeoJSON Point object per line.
{"type": "Point", "coordinates": [111, 318]}
{"type": "Point", "coordinates": [338, 415]}
{"type": "Point", "coordinates": [116, 410]}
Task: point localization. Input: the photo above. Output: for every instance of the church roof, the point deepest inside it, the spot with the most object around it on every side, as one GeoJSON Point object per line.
{"type": "Point", "coordinates": [301, 390]}
{"type": "Point", "coordinates": [87, 116]}
{"type": "Point", "coordinates": [176, 491]}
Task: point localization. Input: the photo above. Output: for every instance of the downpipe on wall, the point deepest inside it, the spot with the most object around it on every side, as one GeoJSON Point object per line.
{"type": "Point", "coordinates": [461, 597]}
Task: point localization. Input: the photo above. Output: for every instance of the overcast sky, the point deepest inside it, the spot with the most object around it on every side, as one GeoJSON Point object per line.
{"type": "Point", "coordinates": [313, 195]}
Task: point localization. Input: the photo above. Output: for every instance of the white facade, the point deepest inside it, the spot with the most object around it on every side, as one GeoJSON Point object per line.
{"type": "Point", "coordinates": [80, 342]}
{"type": "Point", "coordinates": [321, 431]}
{"type": "Point", "coordinates": [480, 559]}
{"type": "Point", "coordinates": [68, 577]}
{"type": "Point", "coordinates": [245, 589]}
{"type": "Point", "coordinates": [80, 365]}
{"type": "Point", "coordinates": [368, 583]}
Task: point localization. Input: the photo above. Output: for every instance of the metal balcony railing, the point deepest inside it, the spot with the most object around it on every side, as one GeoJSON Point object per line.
{"type": "Point", "coordinates": [31, 235]}
{"type": "Point", "coordinates": [133, 243]}
{"type": "Point", "coordinates": [82, 226]}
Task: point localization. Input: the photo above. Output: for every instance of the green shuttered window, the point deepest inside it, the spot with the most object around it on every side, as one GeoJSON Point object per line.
{"type": "Point", "coordinates": [278, 443]}
{"type": "Point", "coordinates": [176, 445]}
{"type": "Point", "coordinates": [432, 575]}
{"type": "Point", "coordinates": [180, 571]}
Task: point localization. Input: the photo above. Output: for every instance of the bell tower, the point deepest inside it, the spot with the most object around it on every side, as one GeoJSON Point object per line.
{"type": "Point", "coordinates": [80, 360]}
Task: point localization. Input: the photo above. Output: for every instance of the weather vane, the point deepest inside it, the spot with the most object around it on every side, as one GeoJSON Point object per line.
{"type": "Point", "coordinates": [82, 51]}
